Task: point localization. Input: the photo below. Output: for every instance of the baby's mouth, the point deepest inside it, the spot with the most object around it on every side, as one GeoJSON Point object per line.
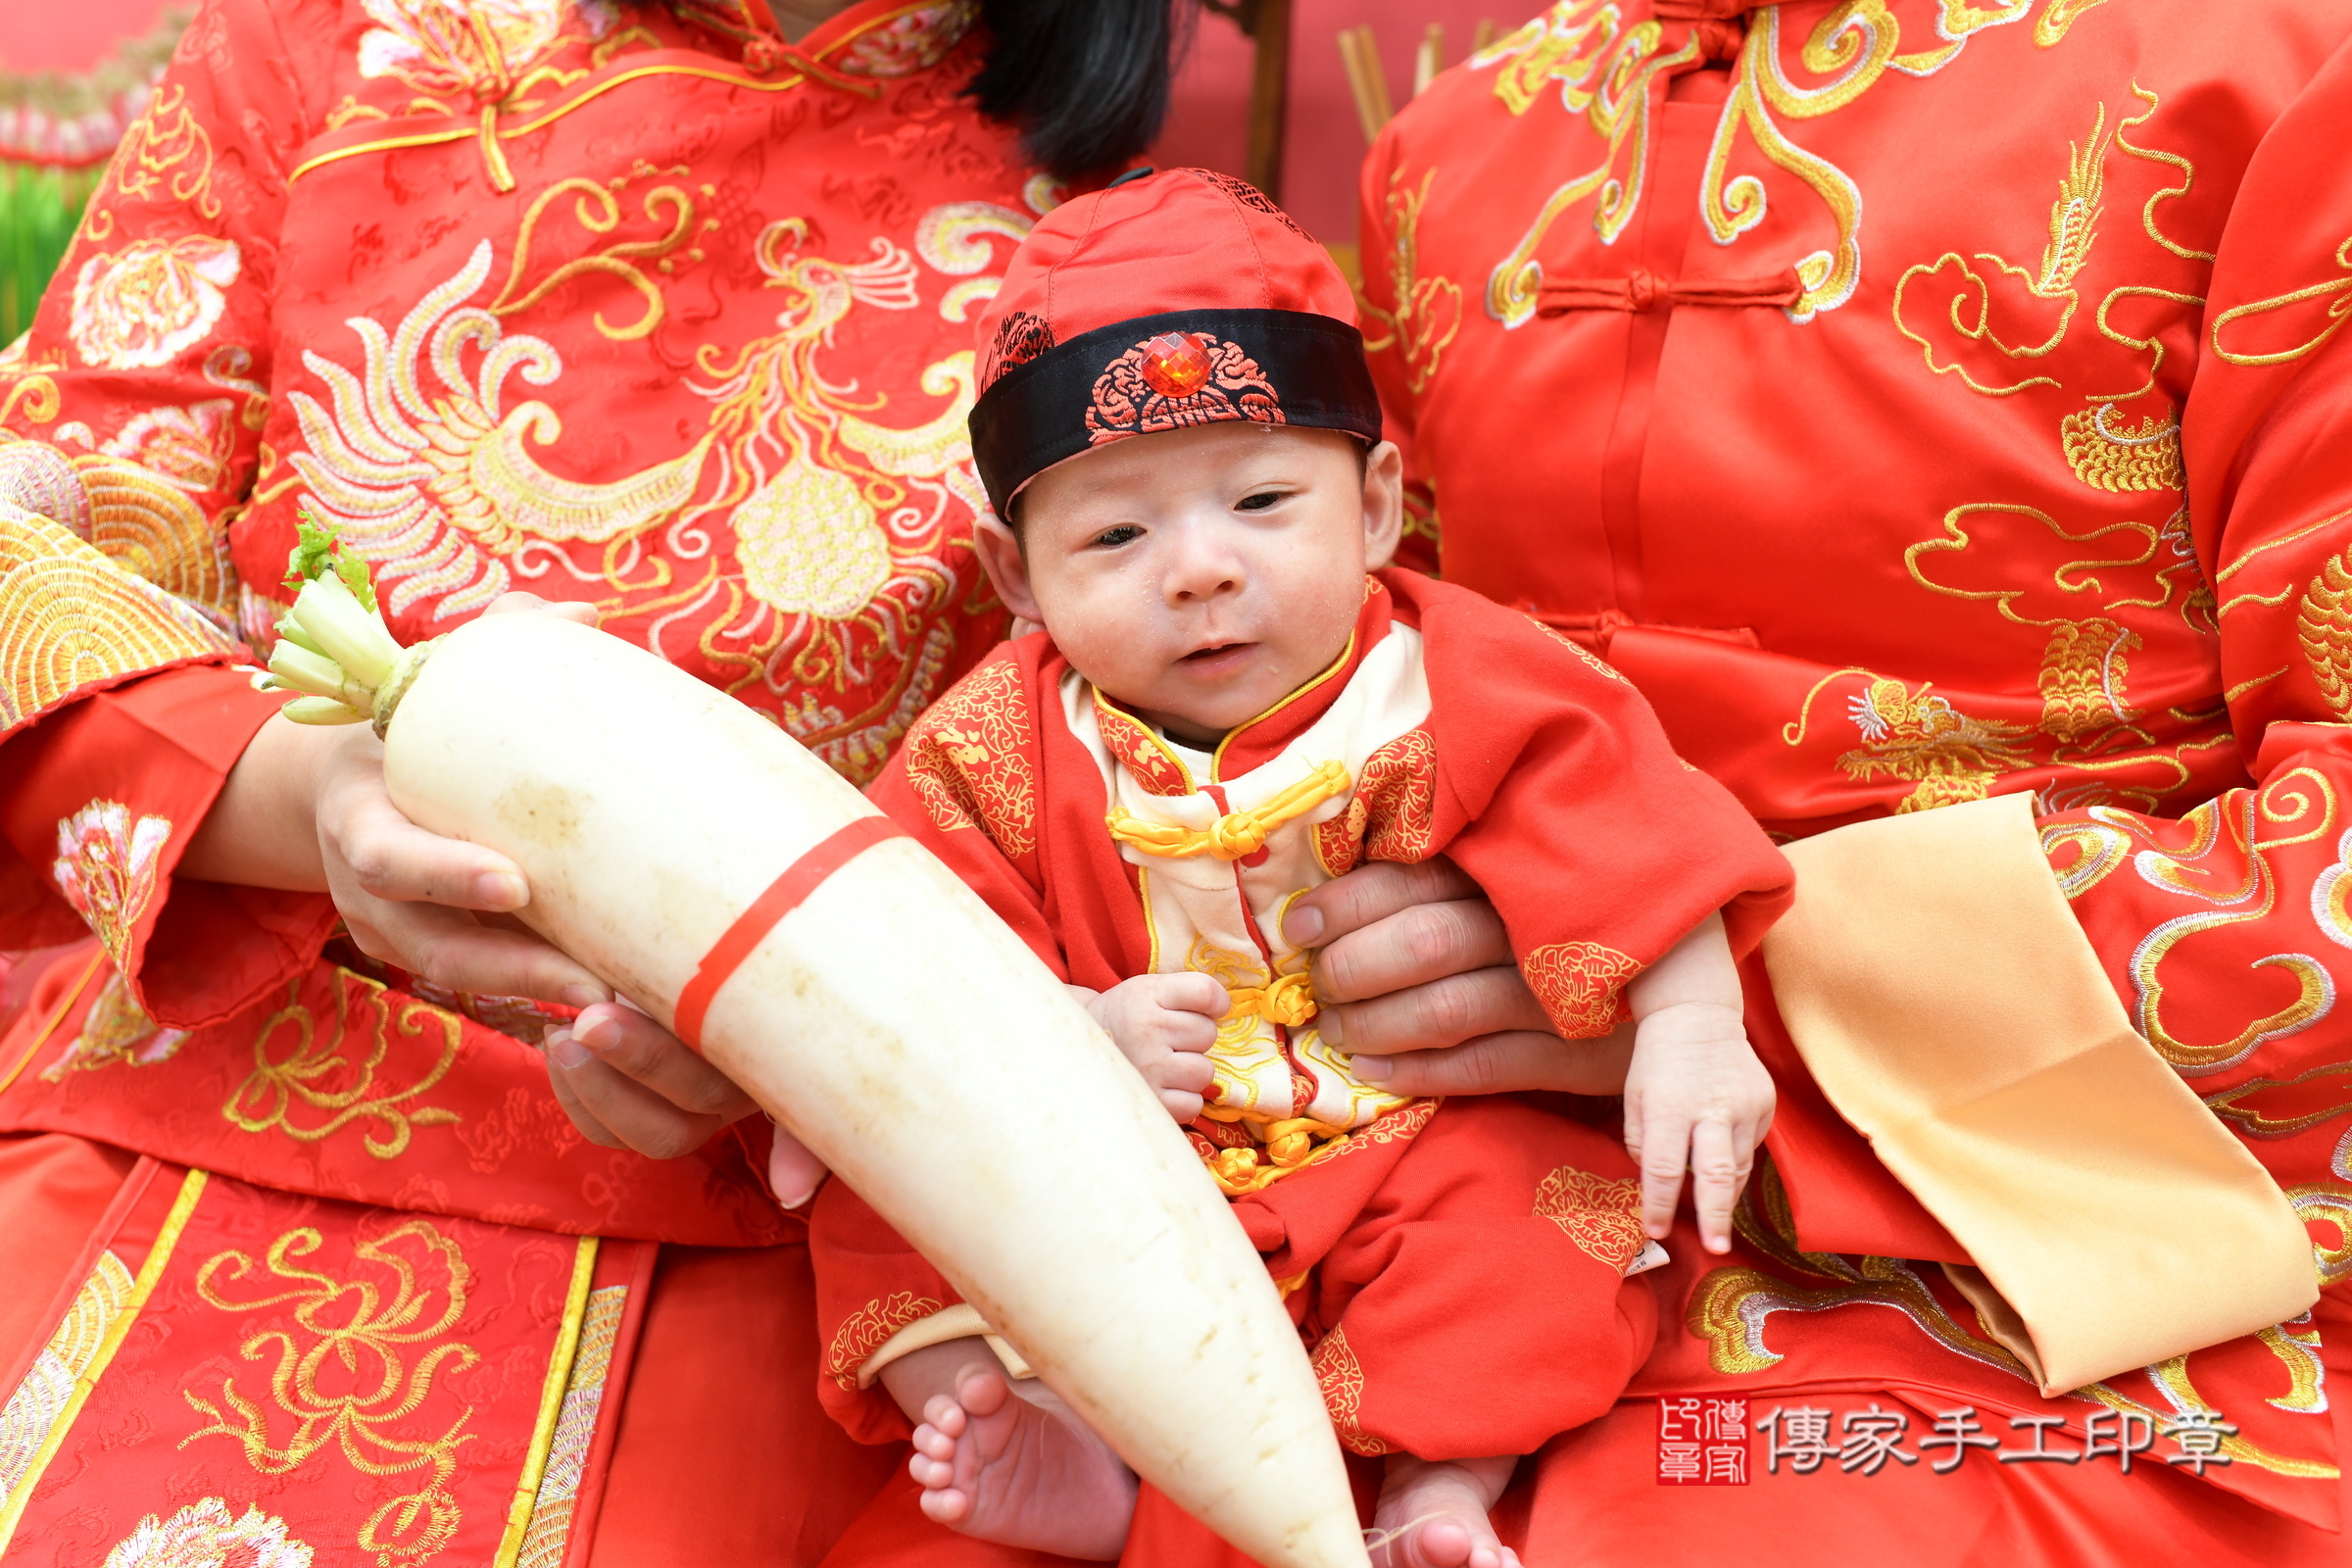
{"type": "Point", "coordinates": [1216, 655]}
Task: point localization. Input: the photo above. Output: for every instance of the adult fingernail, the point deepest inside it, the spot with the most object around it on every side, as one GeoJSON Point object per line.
{"type": "Point", "coordinates": [584, 995]}
{"type": "Point", "coordinates": [1328, 1025]}
{"type": "Point", "coordinates": [597, 1033]}
{"type": "Point", "coordinates": [1303, 927]}
{"type": "Point", "coordinates": [1373, 1069]}
{"type": "Point", "coordinates": [499, 890]}
{"type": "Point", "coordinates": [564, 1049]}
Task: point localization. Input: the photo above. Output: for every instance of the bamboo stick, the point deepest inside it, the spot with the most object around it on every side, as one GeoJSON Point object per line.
{"type": "Point", "coordinates": [1367, 79]}
{"type": "Point", "coordinates": [1430, 58]}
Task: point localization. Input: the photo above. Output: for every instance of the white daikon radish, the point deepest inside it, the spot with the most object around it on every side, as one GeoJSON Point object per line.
{"type": "Point", "coordinates": [890, 1020]}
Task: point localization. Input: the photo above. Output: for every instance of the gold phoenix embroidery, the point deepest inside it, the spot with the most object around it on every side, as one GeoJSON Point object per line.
{"type": "Point", "coordinates": [438, 486]}
{"type": "Point", "coordinates": [152, 528]}
{"type": "Point", "coordinates": [404, 1292]}
{"type": "Point", "coordinates": [333, 1070]}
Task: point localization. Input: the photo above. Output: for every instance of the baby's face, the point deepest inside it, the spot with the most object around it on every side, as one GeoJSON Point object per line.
{"type": "Point", "coordinates": [1199, 576]}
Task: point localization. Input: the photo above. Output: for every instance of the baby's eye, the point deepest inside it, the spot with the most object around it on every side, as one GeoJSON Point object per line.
{"type": "Point", "coordinates": [1258, 502]}
{"type": "Point", "coordinates": [1112, 538]}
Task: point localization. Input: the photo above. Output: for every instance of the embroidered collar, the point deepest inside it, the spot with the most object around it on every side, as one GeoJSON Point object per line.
{"type": "Point", "coordinates": [875, 38]}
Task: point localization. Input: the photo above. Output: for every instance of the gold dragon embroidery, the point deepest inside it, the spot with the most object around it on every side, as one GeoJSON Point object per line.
{"type": "Point", "coordinates": [1428, 310]}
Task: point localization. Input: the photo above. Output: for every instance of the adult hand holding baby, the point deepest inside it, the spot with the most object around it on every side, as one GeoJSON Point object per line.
{"type": "Point", "coordinates": [1415, 975]}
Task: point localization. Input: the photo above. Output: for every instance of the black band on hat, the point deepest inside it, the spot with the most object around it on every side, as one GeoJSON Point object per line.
{"type": "Point", "coordinates": [1168, 372]}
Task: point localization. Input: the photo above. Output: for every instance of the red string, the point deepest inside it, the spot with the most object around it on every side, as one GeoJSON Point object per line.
{"type": "Point", "coordinates": [784, 894]}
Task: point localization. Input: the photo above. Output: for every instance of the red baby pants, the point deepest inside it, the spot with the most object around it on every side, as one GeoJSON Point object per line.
{"type": "Point", "coordinates": [1456, 1273]}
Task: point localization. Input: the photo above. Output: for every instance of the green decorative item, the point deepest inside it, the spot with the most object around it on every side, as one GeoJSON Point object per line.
{"type": "Point", "coordinates": [57, 131]}
{"type": "Point", "coordinates": [38, 209]}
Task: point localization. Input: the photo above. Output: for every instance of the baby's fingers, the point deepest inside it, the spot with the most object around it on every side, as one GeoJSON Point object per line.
{"type": "Point", "coordinates": [1665, 1153]}
{"type": "Point", "coordinates": [1193, 993]}
{"type": "Point", "coordinates": [1184, 1105]}
{"type": "Point", "coordinates": [1718, 1166]}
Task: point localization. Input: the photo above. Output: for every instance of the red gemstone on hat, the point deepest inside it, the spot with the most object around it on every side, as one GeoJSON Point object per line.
{"type": "Point", "coordinates": [1175, 365]}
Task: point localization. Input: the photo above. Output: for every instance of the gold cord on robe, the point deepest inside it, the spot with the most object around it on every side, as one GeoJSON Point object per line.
{"type": "Point", "coordinates": [1237, 834]}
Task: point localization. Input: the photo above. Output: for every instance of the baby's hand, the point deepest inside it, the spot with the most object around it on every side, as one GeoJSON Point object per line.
{"type": "Point", "coordinates": [1696, 1095]}
{"type": "Point", "coordinates": [1165, 1024]}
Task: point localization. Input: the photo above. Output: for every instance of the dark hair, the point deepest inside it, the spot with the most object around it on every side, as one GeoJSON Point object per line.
{"type": "Point", "coordinates": [1087, 80]}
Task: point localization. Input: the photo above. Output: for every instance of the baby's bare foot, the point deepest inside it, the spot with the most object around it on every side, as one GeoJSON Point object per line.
{"type": "Point", "coordinates": [1433, 1514]}
{"type": "Point", "coordinates": [1000, 1467]}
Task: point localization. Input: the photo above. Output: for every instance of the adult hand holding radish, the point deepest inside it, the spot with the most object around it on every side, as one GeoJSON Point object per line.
{"type": "Point", "coordinates": [768, 914]}
{"type": "Point", "coordinates": [441, 908]}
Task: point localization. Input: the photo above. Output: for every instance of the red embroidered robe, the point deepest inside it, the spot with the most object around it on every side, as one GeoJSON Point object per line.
{"type": "Point", "coordinates": [1919, 402]}
{"type": "Point", "coordinates": [616, 301]}
{"type": "Point", "coordinates": [1458, 1271]}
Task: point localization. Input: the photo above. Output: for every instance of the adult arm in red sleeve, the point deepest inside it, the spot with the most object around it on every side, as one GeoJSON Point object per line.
{"type": "Point", "coordinates": [2227, 931]}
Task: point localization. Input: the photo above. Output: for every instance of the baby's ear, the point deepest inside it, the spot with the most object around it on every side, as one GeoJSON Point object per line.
{"type": "Point", "coordinates": [1384, 504]}
{"type": "Point", "coordinates": [1007, 566]}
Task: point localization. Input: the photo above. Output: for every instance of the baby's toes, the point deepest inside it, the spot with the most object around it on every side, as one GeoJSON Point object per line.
{"type": "Point", "coordinates": [930, 1473]}
{"type": "Point", "coordinates": [944, 1505]}
{"type": "Point", "coordinates": [944, 1415]}
{"type": "Point", "coordinates": [1435, 1544]}
{"type": "Point", "coordinates": [1447, 1543]}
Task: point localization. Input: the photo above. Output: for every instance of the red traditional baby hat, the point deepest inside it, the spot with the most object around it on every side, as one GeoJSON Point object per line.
{"type": "Point", "coordinates": [1169, 299]}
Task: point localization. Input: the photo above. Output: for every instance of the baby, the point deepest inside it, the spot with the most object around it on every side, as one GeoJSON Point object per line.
{"type": "Point", "coordinates": [1228, 706]}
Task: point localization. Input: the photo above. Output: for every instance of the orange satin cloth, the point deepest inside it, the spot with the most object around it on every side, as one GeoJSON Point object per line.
{"type": "Point", "coordinates": [1951, 1011]}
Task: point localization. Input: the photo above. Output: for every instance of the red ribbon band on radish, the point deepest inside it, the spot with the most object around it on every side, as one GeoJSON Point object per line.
{"type": "Point", "coordinates": [784, 894]}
